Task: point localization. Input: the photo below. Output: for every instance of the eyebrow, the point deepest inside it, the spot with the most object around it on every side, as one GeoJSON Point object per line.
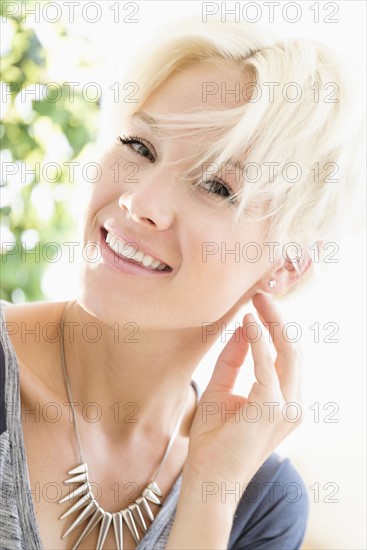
{"type": "Point", "coordinates": [151, 121]}
{"type": "Point", "coordinates": [147, 119]}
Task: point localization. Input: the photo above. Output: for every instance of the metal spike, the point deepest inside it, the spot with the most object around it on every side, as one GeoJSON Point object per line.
{"type": "Point", "coordinates": [148, 494]}
{"type": "Point", "coordinates": [153, 486]}
{"type": "Point", "coordinates": [129, 520]}
{"type": "Point", "coordinates": [81, 502]}
{"type": "Point", "coordinates": [117, 525]}
{"type": "Point", "coordinates": [136, 512]}
{"type": "Point", "coordinates": [97, 516]}
{"type": "Point", "coordinates": [81, 469]}
{"type": "Point", "coordinates": [142, 501]}
{"type": "Point", "coordinates": [82, 516]}
{"type": "Point", "coordinates": [78, 479]}
{"type": "Point", "coordinates": [79, 491]}
{"type": "Point", "coordinates": [106, 521]}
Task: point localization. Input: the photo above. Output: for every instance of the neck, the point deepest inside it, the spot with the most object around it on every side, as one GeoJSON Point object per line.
{"type": "Point", "coordinates": [137, 381]}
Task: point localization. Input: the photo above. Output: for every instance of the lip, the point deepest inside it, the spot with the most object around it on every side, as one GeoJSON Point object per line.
{"type": "Point", "coordinates": [124, 265]}
{"type": "Point", "coordinates": [145, 249]}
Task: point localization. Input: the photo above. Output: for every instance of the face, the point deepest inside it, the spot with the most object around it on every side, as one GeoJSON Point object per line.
{"type": "Point", "coordinates": [186, 231]}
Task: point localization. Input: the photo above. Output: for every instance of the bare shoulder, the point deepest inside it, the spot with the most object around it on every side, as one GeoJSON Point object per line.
{"type": "Point", "coordinates": [40, 310]}
{"type": "Point", "coordinates": [32, 330]}
{"type": "Point", "coordinates": [29, 325]}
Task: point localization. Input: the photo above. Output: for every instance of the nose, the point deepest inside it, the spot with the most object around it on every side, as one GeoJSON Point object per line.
{"type": "Point", "coordinates": [151, 201]}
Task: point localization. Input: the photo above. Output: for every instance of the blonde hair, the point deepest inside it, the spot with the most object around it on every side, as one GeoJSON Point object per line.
{"type": "Point", "coordinates": [302, 141]}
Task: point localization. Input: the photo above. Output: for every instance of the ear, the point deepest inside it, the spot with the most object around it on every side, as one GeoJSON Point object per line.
{"type": "Point", "coordinates": [285, 274]}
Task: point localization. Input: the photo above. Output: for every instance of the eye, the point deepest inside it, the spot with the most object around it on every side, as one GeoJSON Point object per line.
{"type": "Point", "coordinates": [139, 146]}
{"type": "Point", "coordinates": [217, 187]}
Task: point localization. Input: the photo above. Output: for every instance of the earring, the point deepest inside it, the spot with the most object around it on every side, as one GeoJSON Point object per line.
{"type": "Point", "coordinates": [272, 283]}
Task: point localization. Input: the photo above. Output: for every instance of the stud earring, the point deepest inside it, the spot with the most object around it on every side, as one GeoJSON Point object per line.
{"type": "Point", "coordinates": [272, 283]}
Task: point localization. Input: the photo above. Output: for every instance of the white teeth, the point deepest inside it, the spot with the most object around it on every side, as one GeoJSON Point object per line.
{"type": "Point", "coordinates": [138, 256]}
{"type": "Point", "coordinates": [124, 250]}
{"type": "Point", "coordinates": [128, 251]}
{"type": "Point", "coordinates": [147, 260]}
{"type": "Point", "coordinates": [116, 248]}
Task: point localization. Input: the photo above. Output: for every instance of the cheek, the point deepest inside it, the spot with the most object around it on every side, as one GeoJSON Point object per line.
{"type": "Point", "coordinates": [213, 274]}
{"type": "Point", "coordinates": [226, 266]}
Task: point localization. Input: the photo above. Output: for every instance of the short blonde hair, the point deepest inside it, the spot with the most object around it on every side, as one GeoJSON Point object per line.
{"type": "Point", "coordinates": [297, 131]}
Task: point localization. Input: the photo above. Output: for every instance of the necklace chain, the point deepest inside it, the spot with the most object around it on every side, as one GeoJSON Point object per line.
{"type": "Point", "coordinates": [68, 389]}
{"type": "Point", "coordinates": [132, 515]}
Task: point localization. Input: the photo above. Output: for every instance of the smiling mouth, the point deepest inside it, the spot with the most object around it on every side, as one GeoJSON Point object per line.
{"type": "Point", "coordinates": [131, 254]}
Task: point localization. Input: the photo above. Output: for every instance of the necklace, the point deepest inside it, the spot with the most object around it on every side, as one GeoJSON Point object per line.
{"type": "Point", "coordinates": [136, 516]}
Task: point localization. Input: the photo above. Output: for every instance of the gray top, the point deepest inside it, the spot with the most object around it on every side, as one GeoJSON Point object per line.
{"type": "Point", "coordinates": [271, 520]}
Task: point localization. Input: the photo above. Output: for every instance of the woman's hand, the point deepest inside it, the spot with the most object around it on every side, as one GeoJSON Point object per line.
{"type": "Point", "coordinates": [231, 436]}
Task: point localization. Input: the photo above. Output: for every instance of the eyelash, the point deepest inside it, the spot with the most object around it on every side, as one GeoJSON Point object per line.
{"type": "Point", "coordinates": [128, 140]}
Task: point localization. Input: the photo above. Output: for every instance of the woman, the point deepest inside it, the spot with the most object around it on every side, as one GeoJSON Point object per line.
{"type": "Point", "coordinates": [206, 177]}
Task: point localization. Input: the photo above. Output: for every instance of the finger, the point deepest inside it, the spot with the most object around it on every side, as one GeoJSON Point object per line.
{"type": "Point", "coordinates": [229, 363]}
{"type": "Point", "coordinates": [272, 319]}
{"type": "Point", "coordinates": [287, 361]}
{"type": "Point", "coordinates": [264, 369]}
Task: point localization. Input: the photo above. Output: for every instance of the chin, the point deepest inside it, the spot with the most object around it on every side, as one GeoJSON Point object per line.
{"type": "Point", "coordinates": [101, 303]}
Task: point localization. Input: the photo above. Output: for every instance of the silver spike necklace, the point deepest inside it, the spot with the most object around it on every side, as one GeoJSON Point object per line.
{"type": "Point", "coordinates": [137, 516]}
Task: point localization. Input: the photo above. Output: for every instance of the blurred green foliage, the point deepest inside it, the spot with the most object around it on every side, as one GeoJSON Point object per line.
{"type": "Point", "coordinates": [30, 122]}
